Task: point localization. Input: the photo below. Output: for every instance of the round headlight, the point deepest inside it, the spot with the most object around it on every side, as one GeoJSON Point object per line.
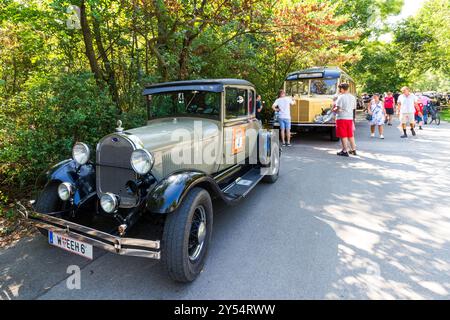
{"type": "Point", "coordinates": [81, 153]}
{"type": "Point", "coordinates": [109, 202]}
{"type": "Point", "coordinates": [65, 191]}
{"type": "Point", "coordinates": [142, 161]}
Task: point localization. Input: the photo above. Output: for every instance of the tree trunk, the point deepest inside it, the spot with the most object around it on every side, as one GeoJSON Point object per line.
{"type": "Point", "coordinates": [87, 37]}
{"type": "Point", "coordinates": [110, 77]}
{"type": "Point", "coordinates": [161, 45]}
{"type": "Point", "coordinates": [183, 58]}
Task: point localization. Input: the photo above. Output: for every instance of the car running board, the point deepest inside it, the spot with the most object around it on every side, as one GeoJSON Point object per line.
{"type": "Point", "coordinates": [243, 185]}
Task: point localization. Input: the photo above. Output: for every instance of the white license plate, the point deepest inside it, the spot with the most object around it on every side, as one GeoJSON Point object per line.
{"type": "Point", "coordinates": [71, 245]}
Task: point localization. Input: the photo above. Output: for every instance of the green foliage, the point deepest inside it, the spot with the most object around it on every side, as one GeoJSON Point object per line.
{"type": "Point", "coordinates": [418, 56]}
{"type": "Point", "coordinates": [40, 125]}
{"type": "Point", "coordinates": [446, 115]}
{"type": "Point", "coordinates": [54, 91]}
{"type": "Point", "coordinates": [378, 70]}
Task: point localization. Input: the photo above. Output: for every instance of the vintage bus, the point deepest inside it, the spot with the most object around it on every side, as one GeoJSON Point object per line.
{"type": "Point", "coordinates": [313, 90]}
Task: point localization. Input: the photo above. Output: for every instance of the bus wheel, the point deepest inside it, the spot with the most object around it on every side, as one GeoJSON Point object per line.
{"type": "Point", "coordinates": [333, 134]}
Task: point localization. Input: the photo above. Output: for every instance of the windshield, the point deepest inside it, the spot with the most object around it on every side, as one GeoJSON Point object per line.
{"type": "Point", "coordinates": [184, 103]}
{"type": "Point", "coordinates": [324, 87]}
{"type": "Point", "coordinates": [300, 87]}
{"type": "Point", "coordinates": [312, 86]}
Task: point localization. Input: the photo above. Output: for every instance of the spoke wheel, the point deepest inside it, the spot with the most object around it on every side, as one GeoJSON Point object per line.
{"type": "Point", "coordinates": [198, 233]}
{"type": "Point", "coordinates": [186, 236]}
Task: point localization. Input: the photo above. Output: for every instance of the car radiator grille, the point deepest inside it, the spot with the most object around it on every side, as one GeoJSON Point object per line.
{"type": "Point", "coordinates": [114, 169]}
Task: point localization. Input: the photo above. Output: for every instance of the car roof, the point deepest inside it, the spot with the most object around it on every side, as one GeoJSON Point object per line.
{"type": "Point", "coordinates": [213, 85]}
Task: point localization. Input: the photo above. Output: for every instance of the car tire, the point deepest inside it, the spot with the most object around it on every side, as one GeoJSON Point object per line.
{"type": "Point", "coordinates": [48, 201]}
{"type": "Point", "coordinates": [184, 253]}
{"type": "Point", "coordinates": [274, 158]}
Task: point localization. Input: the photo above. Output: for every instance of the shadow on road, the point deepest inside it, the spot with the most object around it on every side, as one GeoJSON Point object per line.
{"type": "Point", "coordinates": [366, 227]}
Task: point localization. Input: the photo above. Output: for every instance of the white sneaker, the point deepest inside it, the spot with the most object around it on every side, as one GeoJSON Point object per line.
{"type": "Point", "coordinates": [381, 137]}
{"type": "Point", "coordinates": [372, 135]}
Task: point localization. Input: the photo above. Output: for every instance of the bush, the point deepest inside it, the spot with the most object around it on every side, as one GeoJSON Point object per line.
{"type": "Point", "coordinates": [39, 126]}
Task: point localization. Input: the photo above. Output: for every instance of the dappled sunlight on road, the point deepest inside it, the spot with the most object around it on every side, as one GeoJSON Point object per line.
{"type": "Point", "coordinates": [394, 246]}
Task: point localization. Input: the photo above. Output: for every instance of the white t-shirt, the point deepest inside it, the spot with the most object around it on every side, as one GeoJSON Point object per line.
{"type": "Point", "coordinates": [346, 103]}
{"type": "Point", "coordinates": [407, 103]}
{"type": "Point", "coordinates": [284, 104]}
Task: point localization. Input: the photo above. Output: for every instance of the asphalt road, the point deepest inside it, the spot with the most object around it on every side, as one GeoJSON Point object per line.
{"type": "Point", "coordinates": [376, 226]}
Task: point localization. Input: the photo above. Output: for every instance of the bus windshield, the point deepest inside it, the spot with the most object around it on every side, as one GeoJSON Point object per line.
{"type": "Point", "coordinates": [312, 87]}
{"type": "Point", "coordinates": [323, 86]}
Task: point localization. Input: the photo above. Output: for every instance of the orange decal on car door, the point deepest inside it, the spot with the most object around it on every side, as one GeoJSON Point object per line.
{"type": "Point", "coordinates": [238, 140]}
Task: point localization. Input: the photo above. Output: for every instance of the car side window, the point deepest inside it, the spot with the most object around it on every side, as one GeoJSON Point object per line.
{"type": "Point", "coordinates": [236, 103]}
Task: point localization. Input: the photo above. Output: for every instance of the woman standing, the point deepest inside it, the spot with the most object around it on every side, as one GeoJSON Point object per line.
{"type": "Point", "coordinates": [378, 113]}
{"type": "Point", "coordinates": [389, 102]}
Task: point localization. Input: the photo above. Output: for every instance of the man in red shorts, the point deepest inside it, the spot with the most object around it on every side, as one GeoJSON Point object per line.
{"type": "Point", "coordinates": [345, 104]}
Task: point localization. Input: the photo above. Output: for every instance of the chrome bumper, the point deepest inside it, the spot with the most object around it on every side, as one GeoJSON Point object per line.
{"type": "Point", "coordinates": [123, 246]}
{"type": "Point", "coordinates": [307, 124]}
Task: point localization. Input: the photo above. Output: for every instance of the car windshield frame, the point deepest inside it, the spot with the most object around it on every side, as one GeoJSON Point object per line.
{"type": "Point", "coordinates": [190, 98]}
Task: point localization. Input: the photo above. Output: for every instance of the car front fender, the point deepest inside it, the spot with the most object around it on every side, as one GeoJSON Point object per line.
{"type": "Point", "coordinates": [81, 177]}
{"type": "Point", "coordinates": [170, 192]}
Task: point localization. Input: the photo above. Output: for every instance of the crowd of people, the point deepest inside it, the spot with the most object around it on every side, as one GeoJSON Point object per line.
{"type": "Point", "coordinates": [380, 112]}
{"type": "Point", "coordinates": [410, 108]}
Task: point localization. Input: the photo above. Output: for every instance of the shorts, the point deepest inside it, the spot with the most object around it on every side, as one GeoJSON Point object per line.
{"type": "Point", "coordinates": [389, 111]}
{"type": "Point", "coordinates": [344, 128]}
{"type": "Point", "coordinates": [285, 124]}
{"type": "Point", "coordinates": [418, 118]}
{"type": "Point", "coordinates": [407, 118]}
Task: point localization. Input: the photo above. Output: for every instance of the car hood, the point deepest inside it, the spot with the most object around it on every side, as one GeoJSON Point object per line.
{"type": "Point", "coordinates": [162, 133]}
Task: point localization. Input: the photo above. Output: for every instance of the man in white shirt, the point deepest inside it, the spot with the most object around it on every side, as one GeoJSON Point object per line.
{"type": "Point", "coordinates": [407, 104]}
{"type": "Point", "coordinates": [283, 106]}
{"type": "Point", "coordinates": [345, 106]}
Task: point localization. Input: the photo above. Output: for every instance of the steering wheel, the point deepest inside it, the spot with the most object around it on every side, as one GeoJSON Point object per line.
{"type": "Point", "coordinates": [192, 108]}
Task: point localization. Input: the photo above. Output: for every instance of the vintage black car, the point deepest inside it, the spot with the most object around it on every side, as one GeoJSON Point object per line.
{"type": "Point", "coordinates": [201, 142]}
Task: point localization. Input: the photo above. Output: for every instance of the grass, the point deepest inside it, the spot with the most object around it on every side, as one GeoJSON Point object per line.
{"type": "Point", "coordinates": [445, 114]}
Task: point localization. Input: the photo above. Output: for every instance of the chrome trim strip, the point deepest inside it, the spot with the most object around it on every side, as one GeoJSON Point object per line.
{"type": "Point", "coordinates": [144, 248]}
{"type": "Point", "coordinates": [226, 172]}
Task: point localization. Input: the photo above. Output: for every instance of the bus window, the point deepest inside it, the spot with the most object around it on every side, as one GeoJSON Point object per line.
{"type": "Point", "coordinates": [300, 87]}
{"type": "Point", "coordinates": [291, 88]}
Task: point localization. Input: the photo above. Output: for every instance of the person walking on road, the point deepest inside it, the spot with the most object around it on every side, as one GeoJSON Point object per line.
{"type": "Point", "coordinates": [407, 103]}
{"type": "Point", "coordinates": [396, 95]}
{"type": "Point", "coordinates": [425, 101]}
{"type": "Point", "coordinates": [259, 107]}
{"type": "Point", "coordinates": [283, 106]}
{"type": "Point", "coordinates": [378, 113]}
{"type": "Point", "coordinates": [418, 115]}
{"type": "Point", "coordinates": [389, 103]}
{"type": "Point", "coordinates": [366, 101]}
{"type": "Point", "coordinates": [345, 105]}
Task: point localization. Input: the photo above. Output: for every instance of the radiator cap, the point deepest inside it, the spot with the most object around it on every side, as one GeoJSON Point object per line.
{"type": "Point", "coordinates": [119, 126]}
